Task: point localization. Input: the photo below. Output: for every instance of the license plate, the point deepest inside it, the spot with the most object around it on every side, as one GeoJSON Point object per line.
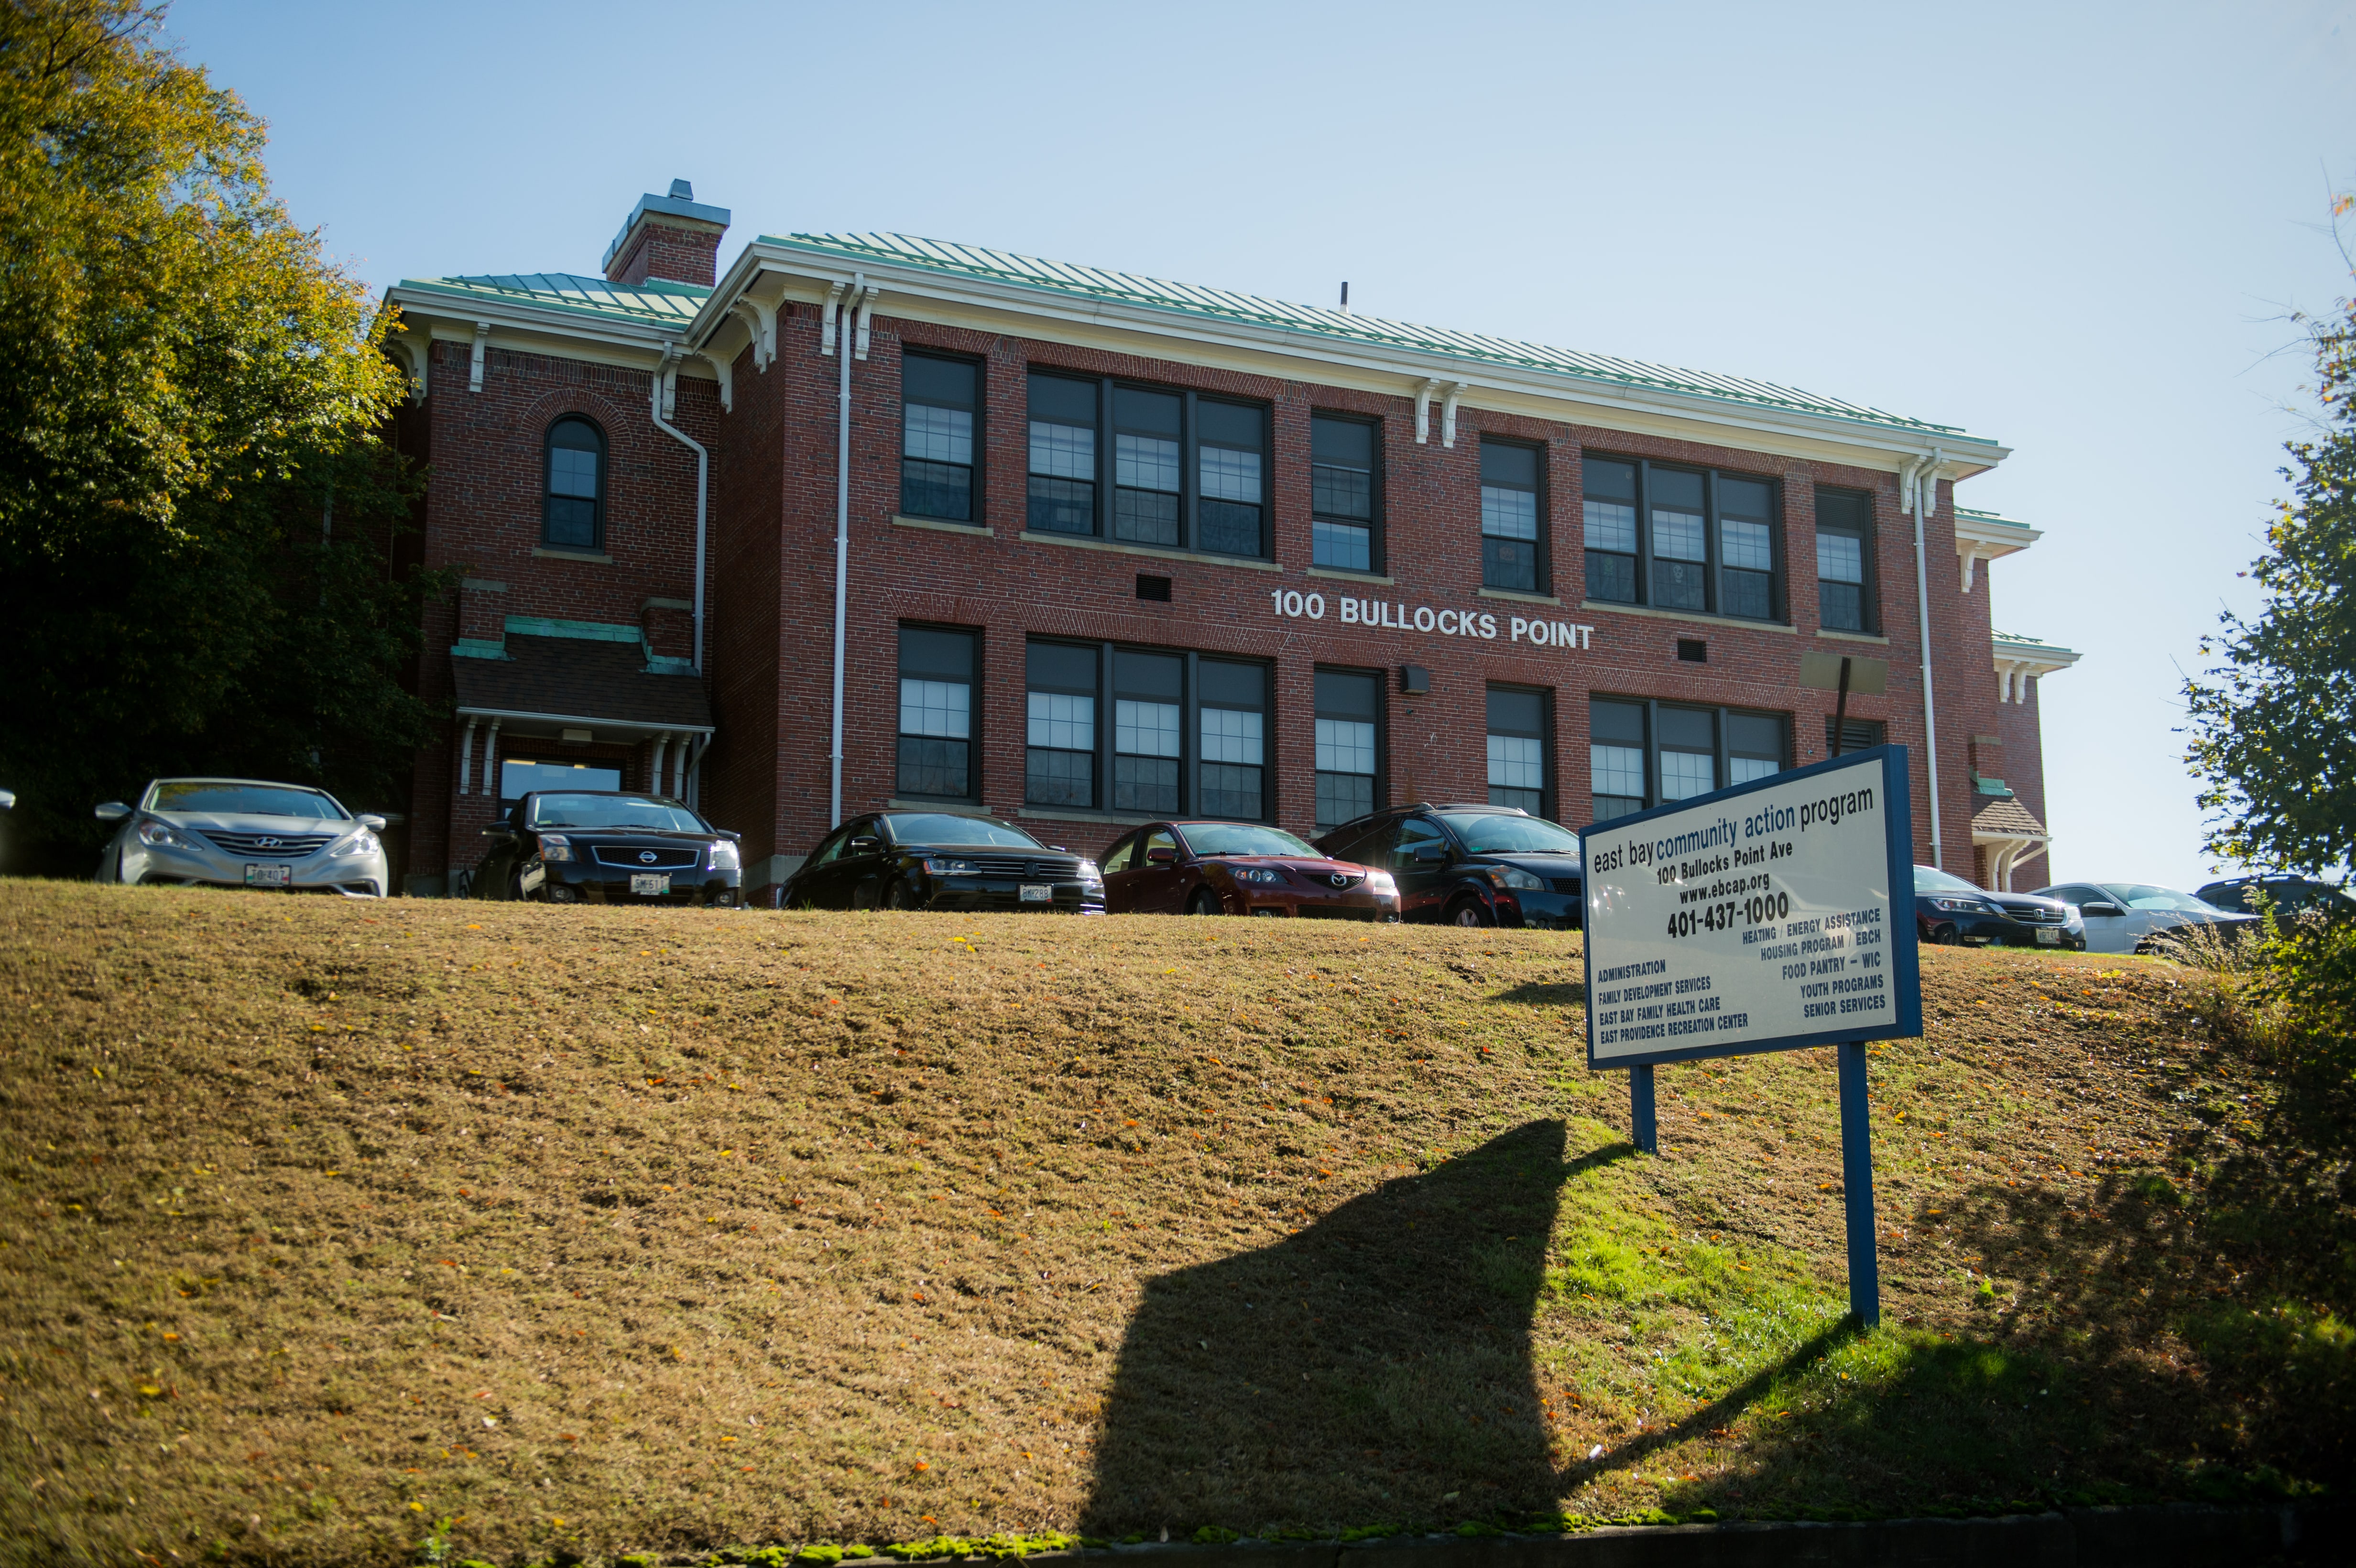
{"type": "Point", "coordinates": [649, 882]}
{"type": "Point", "coordinates": [269, 876]}
{"type": "Point", "coordinates": [2049, 937]}
{"type": "Point", "coordinates": [1038, 893]}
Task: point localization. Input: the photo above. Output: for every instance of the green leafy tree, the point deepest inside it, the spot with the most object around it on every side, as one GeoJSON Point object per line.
{"type": "Point", "coordinates": [2273, 725]}
{"type": "Point", "coordinates": [196, 516]}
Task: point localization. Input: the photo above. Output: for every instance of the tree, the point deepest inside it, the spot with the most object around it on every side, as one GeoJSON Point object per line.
{"type": "Point", "coordinates": [2274, 726]}
{"type": "Point", "coordinates": [188, 391]}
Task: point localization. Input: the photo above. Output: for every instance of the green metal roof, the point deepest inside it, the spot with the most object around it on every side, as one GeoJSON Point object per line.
{"type": "Point", "coordinates": [1000, 266]}
{"type": "Point", "coordinates": [1990, 517]}
{"type": "Point", "coordinates": [653, 303]}
{"type": "Point", "coordinates": [2034, 643]}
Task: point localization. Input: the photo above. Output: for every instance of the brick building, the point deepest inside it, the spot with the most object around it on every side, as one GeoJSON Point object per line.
{"type": "Point", "coordinates": [1097, 547]}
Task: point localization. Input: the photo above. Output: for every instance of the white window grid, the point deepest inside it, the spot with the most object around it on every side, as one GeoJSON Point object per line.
{"type": "Point", "coordinates": [1508, 514]}
{"type": "Point", "coordinates": [572, 472]}
{"type": "Point", "coordinates": [1616, 769]}
{"type": "Point", "coordinates": [1745, 545]}
{"type": "Point", "coordinates": [1345, 746]}
{"type": "Point", "coordinates": [1516, 762]}
{"type": "Point", "coordinates": [1685, 775]}
{"type": "Point", "coordinates": [935, 708]}
{"type": "Point", "coordinates": [1742, 770]}
{"type": "Point", "coordinates": [1231, 735]}
{"type": "Point", "coordinates": [1679, 536]}
{"type": "Point", "coordinates": [1230, 475]}
{"type": "Point", "coordinates": [1145, 463]}
{"type": "Point", "coordinates": [1611, 524]}
{"type": "Point", "coordinates": [1062, 722]}
{"type": "Point", "coordinates": [1347, 546]}
{"type": "Point", "coordinates": [1146, 728]}
{"type": "Point", "coordinates": [937, 435]}
{"type": "Point", "coordinates": [1840, 558]}
{"type": "Point", "coordinates": [1063, 451]}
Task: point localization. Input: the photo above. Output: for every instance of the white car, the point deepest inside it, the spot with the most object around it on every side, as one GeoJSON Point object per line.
{"type": "Point", "coordinates": [245, 832]}
{"type": "Point", "coordinates": [2127, 917]}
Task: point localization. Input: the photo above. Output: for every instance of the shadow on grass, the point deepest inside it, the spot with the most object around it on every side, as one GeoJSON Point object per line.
{"type": "Point", "coordinates": [1362, 1370]}
{"type": "Point", "coordinates": [1545, 994]}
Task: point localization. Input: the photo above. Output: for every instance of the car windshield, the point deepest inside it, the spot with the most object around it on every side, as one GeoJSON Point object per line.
{"type": "Point", "coordinates": [614, 811]}
{"type": "Point", "coordinates": [1512, 834]}
{"type": "Point", "coordinates": [245, 799]}
{"type": "Point", "coordinates": [1239, 839]}
{"type": "Point", "coordinates": [1931, 879]}
{"type": "Point", "coordinates": [940, 828]}
{"type": "Point", "coordinates": [2143, 895]}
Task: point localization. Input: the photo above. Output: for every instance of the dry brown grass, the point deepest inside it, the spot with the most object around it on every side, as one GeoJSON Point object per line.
{"type": "Point", "coordinates": [608, 1231]}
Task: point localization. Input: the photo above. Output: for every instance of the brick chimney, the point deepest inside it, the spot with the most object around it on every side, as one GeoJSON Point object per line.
{"type": "Point", "coordinates": [674, 237]}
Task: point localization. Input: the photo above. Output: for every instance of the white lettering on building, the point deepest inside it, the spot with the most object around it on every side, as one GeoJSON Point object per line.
{"type": "Point", "coordinates": [1388, 615]}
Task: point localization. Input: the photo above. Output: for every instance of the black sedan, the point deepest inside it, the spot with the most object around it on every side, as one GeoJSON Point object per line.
{"type": "Point", "coordinates": [933, 860]}
{"type": "Point", "coordinates": [608, 846]}
{"type": "Point", "coordinates": [2289, 895]}
{"type": "Point", "coordinates": [1470, 865]}
{"type": "Point", "coordinates": [1956, 913]}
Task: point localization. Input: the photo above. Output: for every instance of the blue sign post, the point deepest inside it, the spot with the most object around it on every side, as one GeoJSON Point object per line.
{"type": "Point", "coordinates": [1771, 916]}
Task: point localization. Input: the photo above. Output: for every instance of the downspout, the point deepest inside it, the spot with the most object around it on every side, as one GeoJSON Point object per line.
{"type": "Point", "coordinates": [842, 346]}
{"type": "Point", "coordinates": [664, 372]}
{"type": "Point", "coordinates": [1918, 493]}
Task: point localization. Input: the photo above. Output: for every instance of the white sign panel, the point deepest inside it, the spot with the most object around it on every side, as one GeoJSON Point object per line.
{"type": "Point", "coordinates": [1764, 917]}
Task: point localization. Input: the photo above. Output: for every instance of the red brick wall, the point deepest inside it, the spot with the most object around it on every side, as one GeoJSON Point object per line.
{"type": "Point", "coordinates": [2024, 759]}
{"type": "Point", "coordinates": [482, 513]}
{"type": "Point", "coordinates": [675, 255]}
{"type": "Point", "coordinates": [774, 528]}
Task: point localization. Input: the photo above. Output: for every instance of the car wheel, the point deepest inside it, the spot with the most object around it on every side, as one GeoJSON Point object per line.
{"type": "Point", "coordinates": [1947, 936]}
{"type": "Point", "coordinates": [1470, 912]}
{"type": "Point", "coordinates": [1203, 901]}
{"type": "Point", "coordinates": [900, 895]}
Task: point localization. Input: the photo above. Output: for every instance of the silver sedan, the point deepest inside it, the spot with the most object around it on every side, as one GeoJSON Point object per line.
{"type": "Point", "coordinates": [245, 832]}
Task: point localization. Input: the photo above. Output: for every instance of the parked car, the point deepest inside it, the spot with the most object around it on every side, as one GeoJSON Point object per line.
{"type": "Point", "coordinates": [2129, 917]}
{"type": "Point", "coordinates": [244, 833]}
{"type": "Point", "coordinates": [597, 846]}
{"type": "Point", "coordinates": [1468, 865]}
{"type": "Point", "coordinates": [1953, 912]}
{"type": "Point", "coordinates": [2290, 896]}
{"type": "Point", "coordinates": [1239, 868]}
{"type": "Point", "coordinates": [936, 860]}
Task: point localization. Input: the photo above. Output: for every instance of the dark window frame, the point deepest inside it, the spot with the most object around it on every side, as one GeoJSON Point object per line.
{"type": "Point", "coordinates": [1542, 573]}
{"type": "Point", "coordinates": [1377, 552]}
{"type": "Point", "coordinates": [1713, 532]}
{"type": "Point", "coordinates": [976, 487]}
{"type": "Point", "coordinates": [1190, 461]}
{"type": "Point", "coordinates": [1189, 720]}
{"type": "Point", "coordinates": [1547, 766]}
{"type": "Point", "coordinates": [1719, 713]}
{"type": "Point", "coordinates": [1862, 531]}
{"type": "Point", "coordinates": [548, 496]}
{"type": "Point", "coordinates": [973, 717]}
{"type": "Point", "coordinates": [1381, 788]}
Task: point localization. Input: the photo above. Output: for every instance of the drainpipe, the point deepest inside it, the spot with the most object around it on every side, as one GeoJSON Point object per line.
{"type": "Point", "coordinates": [858, 297]}
{"type": "Point", "coordinates": [1918, 493]}
{"type": "Point", "coordinates": [664, 372]}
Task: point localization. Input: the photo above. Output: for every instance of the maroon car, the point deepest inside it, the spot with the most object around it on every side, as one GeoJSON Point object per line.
{"type": "Point", "coordinates": [1239, 868]}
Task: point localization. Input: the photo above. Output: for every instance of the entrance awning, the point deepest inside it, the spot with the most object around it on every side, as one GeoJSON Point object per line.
{"type": "Point", "coordinates": [2011, 835]}
{"type": "Point", "coordinates": [546, 687]}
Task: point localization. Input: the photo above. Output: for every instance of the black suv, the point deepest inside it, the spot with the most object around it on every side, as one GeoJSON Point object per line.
{"type": "Point", "coordinates": [1470, 865]}
{"type": "Point", "coordinates": [2290, 896]}
{"type": "Point", "coordinates": [936, 860]}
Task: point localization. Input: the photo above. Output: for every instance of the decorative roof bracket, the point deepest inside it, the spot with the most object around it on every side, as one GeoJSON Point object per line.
{"type": "Point", "coordinates": [475, 367]}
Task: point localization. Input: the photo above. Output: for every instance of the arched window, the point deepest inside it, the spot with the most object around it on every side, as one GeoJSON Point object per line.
{"type": "Point", "coordinates": [573, 511]}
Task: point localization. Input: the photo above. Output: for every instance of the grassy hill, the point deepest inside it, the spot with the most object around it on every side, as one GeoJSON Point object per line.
{"type": "Point", "coordinates": [611, 1231]}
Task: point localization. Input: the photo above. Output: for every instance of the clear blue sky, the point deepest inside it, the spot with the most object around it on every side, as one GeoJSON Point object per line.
{"type": "Point", "coordinates": [2075, 229]}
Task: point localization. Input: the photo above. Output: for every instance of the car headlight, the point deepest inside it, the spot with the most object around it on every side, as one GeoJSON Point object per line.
{"type": "Point", "coordinates": [1258, 874]}
{"type": "Point", "coordinates": [951, 868]}
{"type": "Point", "coordinates": [724, 857]}
{"type": "Point", "coordinates": [1382, 882]}
{"type": "Point", "coordinates": [1089, 872]}
{"type": "Point", "coordinates": [1959, 906]}
{"type": "Point", "coordinates": [361, 843]}
{"type": "Point", "coordinates": [1514, 877]}
{"type": "Point", "coordinates": [159, 835]}
{"type": "Point", "coordinates": [555, 847]}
